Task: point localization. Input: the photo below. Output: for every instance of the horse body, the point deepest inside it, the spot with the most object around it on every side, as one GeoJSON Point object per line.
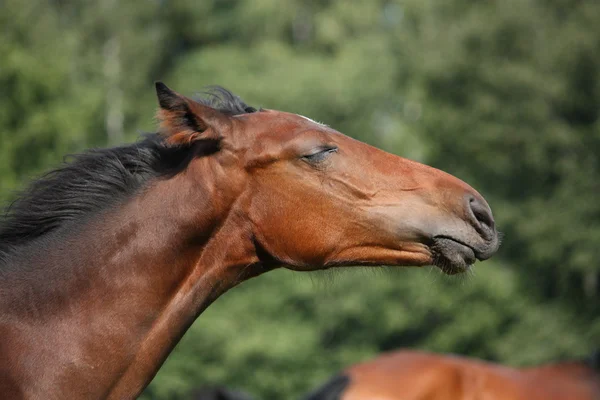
{"type": "Point", "coordinates": [412, 375]}
{"type": "Point", "coordinates": [106, 262]}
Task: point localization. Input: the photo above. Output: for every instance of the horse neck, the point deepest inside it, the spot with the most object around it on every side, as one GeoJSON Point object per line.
{"type": "Point", "coordinates": [225, 258]}
{"type": "Point", "coordinates": [114, 296]}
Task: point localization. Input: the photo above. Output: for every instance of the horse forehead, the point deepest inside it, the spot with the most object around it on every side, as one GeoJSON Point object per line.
{"type": "Point", "coordinates": [280, 125]}
{"type": "Point", "coordinates": [312, 120]}
{"type": "Point", "coordinates": [287, 117]}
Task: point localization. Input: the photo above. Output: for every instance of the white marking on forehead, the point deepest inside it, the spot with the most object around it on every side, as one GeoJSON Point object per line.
{"type": "Point", "coordinates": [311, 120]}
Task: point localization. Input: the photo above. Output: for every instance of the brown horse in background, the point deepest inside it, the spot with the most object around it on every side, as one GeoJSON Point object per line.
{"type": "Point", "coordinates": [106, 261]}
{"type": "Point", "coordinates": [415, 375]}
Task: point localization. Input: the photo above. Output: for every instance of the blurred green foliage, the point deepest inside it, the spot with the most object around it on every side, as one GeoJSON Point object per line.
{"type": "Point", "coordinates": [505, 95]}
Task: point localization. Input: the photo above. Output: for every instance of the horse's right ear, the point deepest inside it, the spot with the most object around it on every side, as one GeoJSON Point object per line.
{"type": "Point", "coordinates": [183, 120]}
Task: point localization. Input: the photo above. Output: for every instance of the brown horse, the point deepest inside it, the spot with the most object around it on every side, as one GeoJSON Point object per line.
{"type": "Point", "coordinates": [106, 261]}
{"type": "Point", "coordinates": [414, 375]}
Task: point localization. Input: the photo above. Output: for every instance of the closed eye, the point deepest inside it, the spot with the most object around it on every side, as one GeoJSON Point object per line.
{"type": "Point", "coordinates": [320, 155]}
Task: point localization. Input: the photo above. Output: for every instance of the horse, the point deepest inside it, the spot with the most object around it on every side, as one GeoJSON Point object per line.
{"type": "Point", "coordinates": [108, 259]}
{"type": "Point", "coordinates": [417, 375]}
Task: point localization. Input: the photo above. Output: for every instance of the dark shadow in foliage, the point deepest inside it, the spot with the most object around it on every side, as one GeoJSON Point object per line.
{"type": "Point", "coordinates": [332, 390]}
{"type": "Point", "coordinates": [594, 360]}
{"type": "Point", "coordinates": [218, 393]}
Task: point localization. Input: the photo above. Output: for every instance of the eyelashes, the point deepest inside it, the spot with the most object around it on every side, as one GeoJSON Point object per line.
{"type": "Point", "coordinates": [320, 155]}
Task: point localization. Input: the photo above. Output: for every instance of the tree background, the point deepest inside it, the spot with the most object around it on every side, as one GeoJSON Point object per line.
{"type": "Point", "coordinates": [503, 94]}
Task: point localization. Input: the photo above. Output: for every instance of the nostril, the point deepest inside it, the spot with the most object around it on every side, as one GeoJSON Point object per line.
{"type": "Point", "coordinates": [481, 212]}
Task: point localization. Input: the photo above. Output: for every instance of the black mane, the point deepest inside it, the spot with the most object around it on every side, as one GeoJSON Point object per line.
{"type": "Point", "coordinates": [223, 100]}
{"type": "Point", "coordinates": [98, 179]}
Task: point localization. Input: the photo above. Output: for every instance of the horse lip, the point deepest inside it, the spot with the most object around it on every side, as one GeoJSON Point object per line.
{"type": "Point", "coordinates": [452, 255]}
{"type": "Point", "coordinates": [452, 239]}
{"type": "Point", "coordinates": [480, 253]}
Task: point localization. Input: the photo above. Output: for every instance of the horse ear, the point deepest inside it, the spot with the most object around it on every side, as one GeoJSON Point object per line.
{"type": "Point", "coordinates": [183, 120]}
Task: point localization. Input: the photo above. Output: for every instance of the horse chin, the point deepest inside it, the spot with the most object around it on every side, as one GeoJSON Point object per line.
{"type": "Point", "coordinates": [451, 256]}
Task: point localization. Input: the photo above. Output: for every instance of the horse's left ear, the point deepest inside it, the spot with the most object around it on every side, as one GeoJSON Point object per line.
{"type": "Point", "coordinates": [183, 120]}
